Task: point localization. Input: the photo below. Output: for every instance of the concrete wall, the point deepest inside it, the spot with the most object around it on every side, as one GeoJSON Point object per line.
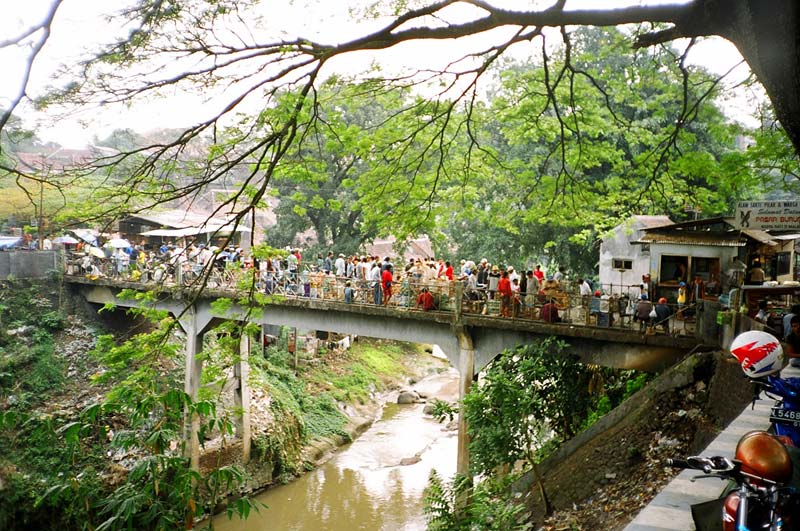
{"type": "Point", "coordinates": [619, 246]}
{"type": "Point", "coordinates": [27, 264]}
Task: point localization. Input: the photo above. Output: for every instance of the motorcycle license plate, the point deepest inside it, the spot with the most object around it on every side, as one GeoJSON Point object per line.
{"type": "Point", "coordinates": [785, 416]}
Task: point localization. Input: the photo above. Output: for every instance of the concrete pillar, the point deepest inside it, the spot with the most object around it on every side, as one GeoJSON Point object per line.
{"type": "Point", "coordinates": [194, 369]}
{"type": "Point", "coordinates": [241, 371]}
{"type": "Point", "coordinates": [466, 364]}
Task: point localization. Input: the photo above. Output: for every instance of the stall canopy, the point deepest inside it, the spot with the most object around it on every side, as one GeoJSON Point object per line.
{"type": "Point", "coordinates": [87, 235]}
{"type": "Point", "coordinates": [194, 231]}
{"type": "Point", "coordinates": [9, 242]}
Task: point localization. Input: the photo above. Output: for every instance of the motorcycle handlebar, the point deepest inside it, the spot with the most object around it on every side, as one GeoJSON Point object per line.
{"type": "Point", "coordinates": [709, 465]}
{"type": "Point", "coordinates": [678, 463]}
{"type": "Point", "coordinates": [783, 387]}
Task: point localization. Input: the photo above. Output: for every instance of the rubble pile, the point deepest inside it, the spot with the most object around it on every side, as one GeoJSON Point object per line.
{"type": "Point", "coordinates": [638, 473]}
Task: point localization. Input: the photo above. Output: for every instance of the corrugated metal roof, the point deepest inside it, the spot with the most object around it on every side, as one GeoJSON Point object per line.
{"type": "Point", "coordinates": [654, 221]}
{"type": "Point", "coordinates": [759, 236]}
{"type": "Point", "coordinates": [178, 219]}
{"type": "Point", "coordinates": [713, 240]}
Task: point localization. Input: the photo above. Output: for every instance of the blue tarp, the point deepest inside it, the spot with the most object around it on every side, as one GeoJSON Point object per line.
{"type": "Point", "coordinates": [9, 242]}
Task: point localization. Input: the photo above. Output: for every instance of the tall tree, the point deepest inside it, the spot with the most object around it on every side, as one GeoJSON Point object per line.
{"type": "Point", "coordinates": [201, 44]}
{"type": "Point", "coordinates": [316, 182]}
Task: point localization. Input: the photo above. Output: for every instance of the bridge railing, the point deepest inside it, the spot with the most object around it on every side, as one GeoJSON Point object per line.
{"type": "Point", "coordinates": [620, 312]}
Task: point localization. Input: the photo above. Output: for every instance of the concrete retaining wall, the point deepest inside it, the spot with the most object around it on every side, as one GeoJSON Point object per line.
{"type": "Point", "coordinates": [27, 264]}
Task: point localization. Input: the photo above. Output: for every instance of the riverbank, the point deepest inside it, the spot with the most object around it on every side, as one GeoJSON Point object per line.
{"type": "Point", "coordinates": [376, 482]}
{"type": "Point", "coordinates": [68, 449]}
{"type": "Point", "coordinates": [299, 419]}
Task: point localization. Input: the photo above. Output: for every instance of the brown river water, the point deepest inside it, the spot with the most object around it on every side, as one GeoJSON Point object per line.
{"type": "Point", "coordinates": [363, 487]}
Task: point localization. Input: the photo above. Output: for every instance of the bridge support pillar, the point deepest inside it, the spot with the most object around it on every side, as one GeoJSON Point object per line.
{"type": "Point", "coordinates": [194, 369]}
{"type": "Point", "coordinates": [466, 365]}
{"type": "Point", "coordinates": [241, 371]}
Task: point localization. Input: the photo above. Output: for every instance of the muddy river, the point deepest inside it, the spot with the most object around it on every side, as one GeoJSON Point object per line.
{"type": "Point", "coordinates": [364, 486]}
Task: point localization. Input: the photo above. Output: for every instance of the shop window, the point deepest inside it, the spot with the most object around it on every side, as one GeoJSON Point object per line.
{"type": "Point", "coordinates": [674, 269]}
{"type": "Point", "coordinates": [707, 268]}
{"type": "Point", "coordinates": [783, 263]}
{"type": "Point", "coordinates": [622, 264]}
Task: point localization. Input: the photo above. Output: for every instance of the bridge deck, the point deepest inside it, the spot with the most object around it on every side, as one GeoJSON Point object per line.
{"type": "Point", "coordinates": [621, 332]}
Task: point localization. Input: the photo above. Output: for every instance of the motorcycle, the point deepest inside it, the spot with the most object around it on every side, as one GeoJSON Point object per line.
{"type": "Point", "coordinates": [761, 357]}
{"type": "Point", "coordinates": [785, 414]}
{"type": "Point", "coordinates": [762, 491]}
{"type": "Point", "coordinates": [761, 494]}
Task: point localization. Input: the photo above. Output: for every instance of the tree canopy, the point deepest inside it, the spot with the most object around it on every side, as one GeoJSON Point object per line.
{"type": "Point", "coordinates": [576, 121]}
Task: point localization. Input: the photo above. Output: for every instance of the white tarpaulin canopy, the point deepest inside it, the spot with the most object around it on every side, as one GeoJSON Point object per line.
{"type": "Point", "coordinates": [87, 235]}
{"type": "Point", "coordinates": [194, 231]}
{"type": "Point", "coordinates": [7, 242]}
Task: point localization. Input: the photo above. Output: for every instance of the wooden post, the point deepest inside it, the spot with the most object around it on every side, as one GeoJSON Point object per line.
{"type": "Point", "coordinates": [241, 370]}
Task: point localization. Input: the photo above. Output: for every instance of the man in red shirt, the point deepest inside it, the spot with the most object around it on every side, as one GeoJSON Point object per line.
{"type": "Point", "coordinates": [448, 270]}
{"type": "Point", "coordinates": [550, 312]}
{"type": "Point", "coordinates": [539, 274]}
{"type": "Point", "coordinates": [425, 300]}
{"type": "Point", "coordinates": [504, 289]}
{"type": "Point", "coordinates": [386, 281]}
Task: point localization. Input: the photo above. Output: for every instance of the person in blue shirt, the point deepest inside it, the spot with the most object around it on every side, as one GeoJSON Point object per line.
{"type": "Point", "coordinates": [349, 292]}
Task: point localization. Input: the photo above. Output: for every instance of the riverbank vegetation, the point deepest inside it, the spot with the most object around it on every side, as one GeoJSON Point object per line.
{"type": "Point", "coordinates": [92, 433]}
{"type": "Point", "coordinates": [560, 396]}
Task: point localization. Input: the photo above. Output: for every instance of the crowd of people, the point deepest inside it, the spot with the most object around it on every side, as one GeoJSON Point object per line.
{"type": "Point", "coordinates": [425, 284]}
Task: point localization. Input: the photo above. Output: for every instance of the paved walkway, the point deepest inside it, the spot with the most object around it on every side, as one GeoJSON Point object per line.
{"type": "Point", "coordinates": [670, 509]}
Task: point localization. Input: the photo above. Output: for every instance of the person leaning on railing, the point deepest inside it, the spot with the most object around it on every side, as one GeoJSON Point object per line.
{"type": "Point", "coordinates": [549, 312]}
{"type": "Point", "coordinates": [425, 300]}
{"type": "Point", "coordinates": [663, 313]}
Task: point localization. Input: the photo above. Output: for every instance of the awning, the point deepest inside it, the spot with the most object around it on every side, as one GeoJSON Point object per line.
{"type": "Point", "coordinates": [787, 237]}
{"type": "Point", "coordinates": [7, 242]}
{"type": "Point", "coordinates": [87, 235]}
{"type": "Point", "coordinates": [760, 236]}
{"type": "Point", "coordinates": [194, 231]}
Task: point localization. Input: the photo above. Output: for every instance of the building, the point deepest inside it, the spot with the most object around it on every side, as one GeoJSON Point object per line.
{"type": "Point", "coordinates": [623, 262]}
{"type": "Point", "coordinates": [712, 249]}
{"type": "Point", "coordinates": [183, 227]}
{"type": "Point", "coordinates": [417, 248]}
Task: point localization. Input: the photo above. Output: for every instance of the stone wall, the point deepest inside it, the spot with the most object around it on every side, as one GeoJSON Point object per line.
{"type": "Point", "coordinates": [27, 264]}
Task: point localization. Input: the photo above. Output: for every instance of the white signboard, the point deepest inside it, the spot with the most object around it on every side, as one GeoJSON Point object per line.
{"type": "Point", "coordinates": [768, 215]}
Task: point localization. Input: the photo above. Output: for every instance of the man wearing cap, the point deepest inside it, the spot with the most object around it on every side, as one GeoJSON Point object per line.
{"type": "Point", "coordinates": [494, 280]}
{"type": "Point", "coordinates": [663, 313]}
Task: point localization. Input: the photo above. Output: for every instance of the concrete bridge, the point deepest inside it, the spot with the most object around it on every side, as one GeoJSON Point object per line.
{"type": "Point", "coordinates": [469, 340]}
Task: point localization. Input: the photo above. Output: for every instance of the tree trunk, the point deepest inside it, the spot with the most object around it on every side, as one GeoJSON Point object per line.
{"type": "Point", "coordinates": [767, 34]}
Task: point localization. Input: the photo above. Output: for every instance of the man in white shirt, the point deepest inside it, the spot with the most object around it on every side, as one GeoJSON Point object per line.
{"type": "Point", "coordinates": [340, 265]}
{"type": "Point", "coordinates": [586, 295]}
{"type": "Point", "coordinates": [375, 283]}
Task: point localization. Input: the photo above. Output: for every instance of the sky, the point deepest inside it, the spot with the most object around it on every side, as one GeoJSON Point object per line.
{"type": "Point", "coordinates": [80, 24]}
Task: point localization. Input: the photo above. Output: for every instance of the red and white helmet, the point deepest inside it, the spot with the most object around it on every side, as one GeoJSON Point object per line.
{"type": "Point", "coordinates": [759, 353]}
